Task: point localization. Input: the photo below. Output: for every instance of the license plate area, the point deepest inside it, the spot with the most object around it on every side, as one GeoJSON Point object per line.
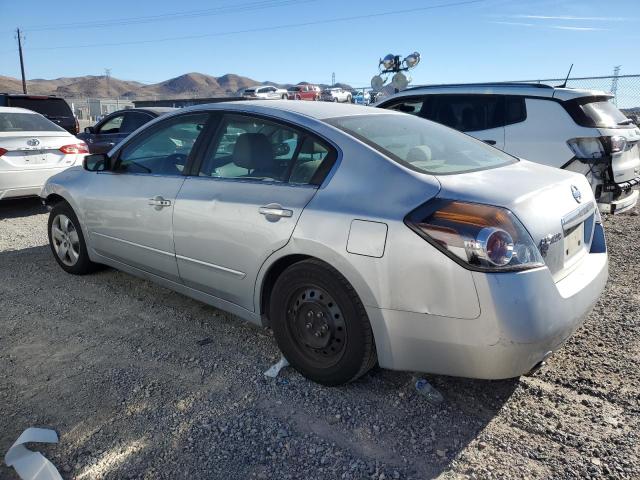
{"type": "Point", "coordinates": [573, 241]}
{"type": "Point", "coordinates": [37, 157]}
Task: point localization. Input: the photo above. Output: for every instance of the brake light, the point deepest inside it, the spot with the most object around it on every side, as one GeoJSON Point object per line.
{"type": "Point", "coordinates": [3, 151]}
{"type": "Point", "coordinates": [597, 148]}
{"type": "Point", "coordinates": [75, 148]}
{"type": "Point", "coordinates": [481, 237]}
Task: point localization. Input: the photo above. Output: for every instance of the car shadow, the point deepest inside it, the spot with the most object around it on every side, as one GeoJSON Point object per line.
{"type": "Point", "coordinates": [21, 207]}
{"type": "Point", "coordinates": [114, 363]}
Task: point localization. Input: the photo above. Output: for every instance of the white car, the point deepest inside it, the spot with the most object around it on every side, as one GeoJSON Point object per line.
{"type": "Point", "coordinates": [32, 149]}
{"type": "Point", "coordinates": [336, 94]}
{"type": "Point", "coordinates": [577, 130]}
{"type": "Point", "coordinates": [265, 92]}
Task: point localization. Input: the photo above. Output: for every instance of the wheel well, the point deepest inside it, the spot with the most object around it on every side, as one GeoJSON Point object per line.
{"type": "Point", "coordinates": [272, 275]}
{"type": "Point", "coordinates": [53, 199]}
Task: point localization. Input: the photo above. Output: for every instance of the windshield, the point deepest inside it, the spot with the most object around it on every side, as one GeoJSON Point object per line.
{"type": "Point", "coordinates": [294, 89]}
{"type": "Point", "coordinates": [26, 122]}
{"type": "Point", "coordinates": [422, 145]}
{"type": "Point", "coordinates": [605, 114]}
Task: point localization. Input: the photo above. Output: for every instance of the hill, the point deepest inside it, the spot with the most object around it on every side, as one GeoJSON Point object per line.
{"type": "Point", "coordinates": [189, 85]}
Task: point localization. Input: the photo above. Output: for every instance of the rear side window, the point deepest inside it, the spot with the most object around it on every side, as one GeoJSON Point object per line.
{"type": "Point", "coordinates": [52, 107]}
{"type": "Point", "coordinates": [515, 110]}
{"type": "Point", "coordinates": [133, 120]}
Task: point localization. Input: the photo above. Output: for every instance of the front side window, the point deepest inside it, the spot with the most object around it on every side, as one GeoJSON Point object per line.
{"type": "Point", "coordinates": [112, 125]}
{"type": "Point", "coordinates": [257, 149]}
{"type": "Point", "coordinates": [422, 145]}
{"type": "Point", "coordinates": [26, 122]}
{"type": "Point", "coordinates": [133, 120]}
{"type": "Point", "coordinates": [166, 149]}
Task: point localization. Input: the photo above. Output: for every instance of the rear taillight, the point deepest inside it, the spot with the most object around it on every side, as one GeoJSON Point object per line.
{"type": "Point", "coordinates": [3, 151]}
{"type": "Point", "coordinates": [481, 237]}
{"type": "Point", "coordinates": [75, 148]}
{"type": "Point", "coordinates": [596, 149]}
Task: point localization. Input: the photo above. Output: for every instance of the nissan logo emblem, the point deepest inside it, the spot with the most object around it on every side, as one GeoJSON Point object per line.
{"type": "Point", "coordinates": [576, 193]}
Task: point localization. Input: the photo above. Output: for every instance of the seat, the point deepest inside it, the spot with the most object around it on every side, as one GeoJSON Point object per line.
{"type": "Point", "coordinates": [304, 170]}
{"type": "Point", "coordinates": [419, 154]}
{"type": "Point", "coordinates": [254, 152]}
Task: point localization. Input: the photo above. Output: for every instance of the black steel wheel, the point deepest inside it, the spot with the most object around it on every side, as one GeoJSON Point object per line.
{"type": "Point", "coordinates": [320, 324]}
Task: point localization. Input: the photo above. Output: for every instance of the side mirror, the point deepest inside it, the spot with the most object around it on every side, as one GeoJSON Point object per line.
{"type": "Point", "coordinates": [89, 130]}
{"type": "Point", "coordinates": [98, 162]}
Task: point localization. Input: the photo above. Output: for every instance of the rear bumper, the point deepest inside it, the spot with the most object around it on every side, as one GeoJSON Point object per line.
{"type": "Point", "coordinates": [524, 316]}
{"type": "Point", "coordinates": [620, 205]}
{"type": "Point", "coordinates": [25, 183]}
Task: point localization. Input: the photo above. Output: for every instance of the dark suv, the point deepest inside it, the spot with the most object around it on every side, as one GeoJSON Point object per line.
{"type": "Point", "coordinates": [53, 108]}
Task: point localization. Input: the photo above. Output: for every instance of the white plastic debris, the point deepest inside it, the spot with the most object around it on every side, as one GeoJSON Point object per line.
{"type": "Point", "coordinates": [31, 465]}
{"type": "Point", "coordinates": [428, 391]}
{"type": "Point", "coordinates": [275, 368]}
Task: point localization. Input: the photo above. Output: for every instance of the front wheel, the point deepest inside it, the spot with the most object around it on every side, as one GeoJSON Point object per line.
{"type": "Point", "coordinates": [321, 325]}
{"type": "Point", "coordinates": [67, 242]}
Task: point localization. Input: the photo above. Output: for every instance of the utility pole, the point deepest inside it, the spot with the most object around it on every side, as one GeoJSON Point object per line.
{"type": "Point", "coordinates": [614, 83]}
{"type": "Point", "coordinates": [24, 80]}
{"type": "Point", "coordinates": [107, 73]}
{"type": "Point", "coordinates": [333, 79]}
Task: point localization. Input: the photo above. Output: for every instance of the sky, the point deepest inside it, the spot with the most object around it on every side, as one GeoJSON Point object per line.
{"type": "Point", "coordinates": [288, 41]}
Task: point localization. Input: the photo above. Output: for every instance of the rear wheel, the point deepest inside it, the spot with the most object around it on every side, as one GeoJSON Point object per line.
{"type": "Point", "coordinates": [320, 324]}
{"type": "Point", "coordinates": [67, 242]}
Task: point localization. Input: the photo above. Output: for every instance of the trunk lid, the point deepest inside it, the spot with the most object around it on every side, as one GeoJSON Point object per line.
{"type": "Point", "coordinates": [625, 166]}
{"type": "Point", "coordinates": [543, 199]}
{"type": "Point", "coordinates": [33, 150]}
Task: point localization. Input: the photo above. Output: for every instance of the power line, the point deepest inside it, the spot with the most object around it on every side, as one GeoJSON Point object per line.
{"type": "Point", "coordinates": [264, 29]}
{"type": "Point", "coordinates": [255, 5]}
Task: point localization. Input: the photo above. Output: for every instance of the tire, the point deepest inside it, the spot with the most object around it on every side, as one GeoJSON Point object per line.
{"type": "Point", "coordinates": [348, 98]}
{"type": "Point", "coordinates": [67, 241]}
{"type": "Point", "coordinates": [321, 325]}
{"type": "Point", "coordinates": [335, 100]}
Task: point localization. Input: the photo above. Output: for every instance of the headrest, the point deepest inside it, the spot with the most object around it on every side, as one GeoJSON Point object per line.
{"type": "Point", "coordinates": [418, 154]}
{"type": "Point", "coordinates": [253, 151]}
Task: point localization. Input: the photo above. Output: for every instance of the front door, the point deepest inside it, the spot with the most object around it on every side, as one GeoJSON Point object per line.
{"type": "Point", "coordinates": [129, 210]}
{"type": "Point", "coordinates": [250, 189]}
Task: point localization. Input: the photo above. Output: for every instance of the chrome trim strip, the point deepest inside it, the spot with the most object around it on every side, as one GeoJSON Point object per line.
{"type": "Point", "coordinates": [578, 216]}
{"type": "Point", "coordinates": [215, 267]}
{"type": "Point", "coordinates": [133, 244]}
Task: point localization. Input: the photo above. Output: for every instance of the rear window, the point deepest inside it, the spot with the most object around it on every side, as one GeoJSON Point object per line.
{"type": "Point", "coordinates": [604, 114]}
{"type": "Point", "coordinates": [52, 107]}
{"type": "Point", "coordinates": [422, 145]}
{"type": "Point", "coordinates": [26, 122]}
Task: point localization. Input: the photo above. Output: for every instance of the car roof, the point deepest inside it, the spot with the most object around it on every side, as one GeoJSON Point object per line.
{"type": "Point", "coordinates": [16, 110]}
{"type": "Point", "coordinates": [153, 110]}
{"type": "Point", "coordinates": [317, 110]}
{"type": "Point", "coordinates": [505, 88]}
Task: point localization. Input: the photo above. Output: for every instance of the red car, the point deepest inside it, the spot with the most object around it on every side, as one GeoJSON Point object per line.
{"type": "Point", "coordinates": [303, 92]}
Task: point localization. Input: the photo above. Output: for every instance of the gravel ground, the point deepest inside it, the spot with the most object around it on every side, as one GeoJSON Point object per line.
{"type": "Point", "coordinates": [141, 382]}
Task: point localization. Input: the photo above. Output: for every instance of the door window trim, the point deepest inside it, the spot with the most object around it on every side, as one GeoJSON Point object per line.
{"type": "Point", "coordinates": [318, 177]}
{"type": "Point", "coordinates": [153, 128]}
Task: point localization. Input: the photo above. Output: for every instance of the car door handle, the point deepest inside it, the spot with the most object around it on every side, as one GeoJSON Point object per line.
{"type": "Point", "coordinates": [159, 202]}
{"type": "Point", "coordinates": [275, 210]}
{"type": "Point", "coordinates": [490, 142]}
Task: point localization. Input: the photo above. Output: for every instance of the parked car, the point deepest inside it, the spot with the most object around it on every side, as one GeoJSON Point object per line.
{"type": "Point", "coordinates": [32, 148]}
{"type": "Point", "coordinates": [54, 108]}
{"type": "Point", "coordinates": [113, 128]}
{"type": "Point", "coordinates": [471, 263]}
{"type": "Point", "coordinates": [577, 130]}
{"type": "Point", "coordinates": [336, 95]}
{"type": "Point", "coordinates": [362, 97]}
{"type": "Point", "coordinates": [304, 92]}
{"type": "Point", "coordinates": [266, 92]}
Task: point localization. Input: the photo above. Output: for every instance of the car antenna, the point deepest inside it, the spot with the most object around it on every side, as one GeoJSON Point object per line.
{"type": "Point", "coordinates": [564, 85]}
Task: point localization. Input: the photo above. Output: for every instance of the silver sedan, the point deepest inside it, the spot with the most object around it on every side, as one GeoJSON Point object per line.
{"type": "Point", "coordinates": [358, 235]}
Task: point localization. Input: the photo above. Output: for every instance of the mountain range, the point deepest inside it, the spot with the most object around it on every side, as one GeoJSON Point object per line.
{"type": "Point", "coordinates": [189, 85]}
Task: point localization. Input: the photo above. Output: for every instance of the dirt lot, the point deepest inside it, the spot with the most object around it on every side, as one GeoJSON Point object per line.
{"type": "Point", "coordinates": [141, 382]}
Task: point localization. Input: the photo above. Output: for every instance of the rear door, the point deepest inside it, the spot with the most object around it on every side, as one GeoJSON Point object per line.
{"type": "Point", "coordinates": [243, 202]}
{"type": "Point", "coordinates": [129, 210]}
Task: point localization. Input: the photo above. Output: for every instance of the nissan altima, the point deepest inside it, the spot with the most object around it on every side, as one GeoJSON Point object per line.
{"type": "Point", "coordinates": [360, 236]}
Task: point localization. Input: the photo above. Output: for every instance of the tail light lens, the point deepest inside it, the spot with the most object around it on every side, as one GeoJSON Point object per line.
{"type": "Point", "coordinates": [75, 148]}
{"type": "Point", "coordinates": [597, 148]}
{"type": "Point", "coordinates": [480, 237]}
{"type": "Point", "coordinates": [3, 151]}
